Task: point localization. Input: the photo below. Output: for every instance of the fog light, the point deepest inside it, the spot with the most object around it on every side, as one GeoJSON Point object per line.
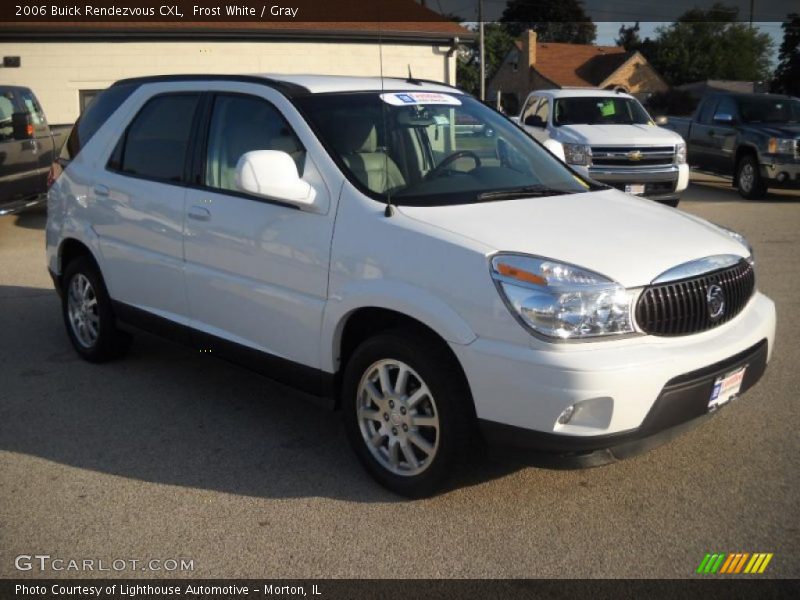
{"type": "Point", "coordinates": [565, 416]}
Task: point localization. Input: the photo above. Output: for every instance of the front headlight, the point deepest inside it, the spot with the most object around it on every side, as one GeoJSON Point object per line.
{"type": "Point", "coordinates": [741, 239]}
{"type": "Point", "coordinates": [781, 146]}
{"type": "Point", "coordinates": [578, 154]}
{"type": "Point", "coordinates": [562, 301]}
{"type": "Point", "coordinates": [680, 153]}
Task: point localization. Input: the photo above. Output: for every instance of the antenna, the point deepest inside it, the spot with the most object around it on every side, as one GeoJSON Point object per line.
{"type": "Point", "coordinates": [389, 208]}
{"type": "Point", "coordinates": [411, 79]}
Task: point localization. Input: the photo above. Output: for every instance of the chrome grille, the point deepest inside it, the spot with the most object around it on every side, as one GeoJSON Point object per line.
{"type": "Point", "coordinates": [632, 156]}
{"type": "Point", "coordinates": [681, 307]}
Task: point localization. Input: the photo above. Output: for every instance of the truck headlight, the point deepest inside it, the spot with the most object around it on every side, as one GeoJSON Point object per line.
{"type": "Point", "coordinates": [781, 146]}
{"type": "Point", "coordinates": [562, 301]}
{"type": "Point", "coordinates": [578, 154]}
{"type": "Point", "coordinates": [680, 153]}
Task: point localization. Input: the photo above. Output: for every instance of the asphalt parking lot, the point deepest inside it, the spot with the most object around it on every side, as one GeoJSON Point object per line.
{"type": "Point", "coordinates": [172, 454]}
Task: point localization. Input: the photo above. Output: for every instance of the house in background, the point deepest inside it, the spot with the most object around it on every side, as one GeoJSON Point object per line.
{"type": "Point", "coordinates": [532, 65]}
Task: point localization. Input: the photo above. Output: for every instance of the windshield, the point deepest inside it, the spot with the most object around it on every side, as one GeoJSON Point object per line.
{"type": "Point", "coordinates": [769, 110]}
{"type": "Point", "coordinates": [426, 149]}
{"type": "Point", "coordinates": [599, 110]}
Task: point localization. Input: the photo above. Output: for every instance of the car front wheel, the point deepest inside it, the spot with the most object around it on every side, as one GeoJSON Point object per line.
{"type": "Point", "coordinates": [748, 178]}
{"type": "Point", "coordinates": [407, 411]}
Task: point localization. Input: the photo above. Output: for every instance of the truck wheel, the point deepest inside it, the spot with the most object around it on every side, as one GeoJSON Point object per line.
{"type": "Point", "coordinates": [86, 307]}
{"type": "Point", "coordinates": [748, 178]}
{"type": "Point", "coordinates": [407, 411]}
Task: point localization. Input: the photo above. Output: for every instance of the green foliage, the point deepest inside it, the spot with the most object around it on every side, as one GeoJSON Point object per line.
{"type": "Point", "coordinates": [498, 42]}
{"type": "Point", "coordinates": [552, 20]}
{"type": "Point", "coordinates": [787, 74]}
{"type": "Point", "coordinates": [629, 38]}
{"type": "Point", "coordinates": [709, 45]}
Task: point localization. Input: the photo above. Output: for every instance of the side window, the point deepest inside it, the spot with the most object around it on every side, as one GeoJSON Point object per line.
{"type": "Point", "coordinates": [240, 124]}
{"type": "Point", "coordinates": [530, 108]}
{"type": "Point", "coordinates": [726, 106]}
{"type": "Point", "coordinates": [544, 110]}
{"type": "Point", "coordinates": [156, 142]}
{"type": "Point", "coordinates": [33, 109]}
{"type": "Point", "coordinates": [6, 110]}
{"type": "Point", "coordinates": [707, 111]}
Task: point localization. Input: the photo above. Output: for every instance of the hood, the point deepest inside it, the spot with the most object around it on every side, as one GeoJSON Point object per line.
{"type": "Point", "coordinates": [616, 135]}
{"type": "Point", "coordinates": [630, 240]}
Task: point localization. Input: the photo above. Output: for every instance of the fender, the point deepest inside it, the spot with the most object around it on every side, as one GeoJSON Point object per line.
{"type": "Point", "coordinates": [404, 298]}
{"type": "Point", "coordinates": [73, 230]}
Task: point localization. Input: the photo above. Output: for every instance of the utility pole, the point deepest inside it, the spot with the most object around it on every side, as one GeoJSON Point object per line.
{"type": "Point", "coordinates": [482, 51]}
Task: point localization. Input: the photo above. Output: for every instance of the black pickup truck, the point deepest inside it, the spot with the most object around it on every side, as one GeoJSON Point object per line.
{"type": "Point", "coordinates": [753, 137]}
{"type": "Point", "coordinates": [27, 149]}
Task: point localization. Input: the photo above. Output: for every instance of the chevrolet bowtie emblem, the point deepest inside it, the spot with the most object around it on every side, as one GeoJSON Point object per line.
{"type": "Point", "coordinates": [635, 155]}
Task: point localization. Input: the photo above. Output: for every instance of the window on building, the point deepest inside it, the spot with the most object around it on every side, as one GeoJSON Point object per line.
{"type": "Point", "coordinates": [85, 98]}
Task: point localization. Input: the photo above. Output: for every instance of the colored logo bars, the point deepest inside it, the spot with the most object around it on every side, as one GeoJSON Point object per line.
{"type": "Point", "coordinates": [735, 563]}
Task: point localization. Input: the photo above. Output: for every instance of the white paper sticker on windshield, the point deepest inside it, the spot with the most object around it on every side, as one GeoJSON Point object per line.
{"type": "Point", "coordinates": [412, 98]}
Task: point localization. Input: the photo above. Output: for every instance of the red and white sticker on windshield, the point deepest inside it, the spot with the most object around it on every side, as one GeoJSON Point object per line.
{"type": "Point", "coordinates": [412, 98]}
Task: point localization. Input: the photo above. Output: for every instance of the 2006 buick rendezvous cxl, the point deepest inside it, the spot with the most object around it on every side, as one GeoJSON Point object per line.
{"type": "Point", "coordinates": [347, 236]}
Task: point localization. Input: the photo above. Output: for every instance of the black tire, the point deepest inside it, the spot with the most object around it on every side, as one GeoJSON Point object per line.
{"type": "Point", "coordinates": [748, 178]}
{"type": "Point", "coordinates": [109, 342]}
{"type": "Point", "coordinates": [429, 359]}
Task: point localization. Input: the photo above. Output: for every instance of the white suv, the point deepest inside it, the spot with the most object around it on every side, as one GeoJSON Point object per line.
{"type": "Point", "coordinates": [611, 138]}
{"type": "Point", "coordinates": [432, 281]}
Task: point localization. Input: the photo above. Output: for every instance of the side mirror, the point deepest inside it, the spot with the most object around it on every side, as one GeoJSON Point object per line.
{"type": "Point", "coordinates": [661, 121]}
{"type": "Point", "coordinates": [273, 174]}
{"type": "Point", "coordinates": [22, 125]}
{"type": "Point", "coordinates": [534, 121]}
{"type": "Point", "coordinates": [723, 118]}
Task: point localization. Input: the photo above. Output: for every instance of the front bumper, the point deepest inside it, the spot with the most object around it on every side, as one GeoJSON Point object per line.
{"type": "Point", "coordinates": [781, 174]}
{"type": "Point", "coordinates": [661, 183]}
{"type": "Point", "coordinates": [23, 204]}
{"type": "Point", "coordinates": [528, 387]}
{"type": "Point", "coordinates": [681, 405]}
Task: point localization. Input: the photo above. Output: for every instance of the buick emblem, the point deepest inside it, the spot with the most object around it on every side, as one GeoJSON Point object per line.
{"type": "Point", "coordinates": [715, 299]}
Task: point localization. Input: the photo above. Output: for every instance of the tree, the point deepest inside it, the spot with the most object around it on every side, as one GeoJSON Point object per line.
{"type": "Point", "coordinates": [629, 38]}
{"type": "Point", "coordinates": [497, 44]}
{"type": "Point", "coordinates": [709, 44]}
{"type": "Point", "coordinates": [552, 20]}
{"type": "Point", "coordinates": [787, 74]}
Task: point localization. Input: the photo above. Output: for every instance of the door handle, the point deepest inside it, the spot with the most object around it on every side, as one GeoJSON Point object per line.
{"type": "Point", "coordinates": [101, 190]}
{"type": "Point", "coordinates": [199, 213]}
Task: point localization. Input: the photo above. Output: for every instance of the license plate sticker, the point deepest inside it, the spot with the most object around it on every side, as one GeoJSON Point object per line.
{"type": "Point", "coordinates": [726, 388]}
{"type": "Point", "coordinates": [634, 188]}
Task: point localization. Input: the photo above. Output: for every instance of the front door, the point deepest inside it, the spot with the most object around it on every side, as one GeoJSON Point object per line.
{"type": "Point", "coordinates": [256, 269]}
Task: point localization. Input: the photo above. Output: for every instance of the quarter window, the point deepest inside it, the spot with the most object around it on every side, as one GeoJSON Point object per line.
{"type": "Point", "coordinates": [241, 124]}
{"type": "Point", "coordinates": [157, 140]}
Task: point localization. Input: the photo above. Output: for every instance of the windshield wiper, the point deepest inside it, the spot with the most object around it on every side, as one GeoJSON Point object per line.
{"type": "Point", "coordinates": [523, 192]}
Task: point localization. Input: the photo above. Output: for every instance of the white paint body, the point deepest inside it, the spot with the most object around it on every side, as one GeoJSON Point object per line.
{"type": "Point", "coordinates": [284, 281]}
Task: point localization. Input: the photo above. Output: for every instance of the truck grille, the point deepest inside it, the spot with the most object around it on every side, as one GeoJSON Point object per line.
{"type": "Point", "coordinates": [631, 156]}
{"type": "Point", "coordinates": [682, 307]}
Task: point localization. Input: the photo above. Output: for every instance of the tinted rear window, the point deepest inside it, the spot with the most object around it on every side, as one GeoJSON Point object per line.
{"type": "Point", "coordinates": [155, 144]}
{"type": "Point", "coordinates": [97, 113]}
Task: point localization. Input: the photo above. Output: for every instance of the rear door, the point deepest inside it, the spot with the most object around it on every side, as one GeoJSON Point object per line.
{"type": "Point", "coordinates": [701, 135]}
{"type": "Point", "coordinates": [723, 135]}
{"type": "Point", "coordinates": [138, 204]}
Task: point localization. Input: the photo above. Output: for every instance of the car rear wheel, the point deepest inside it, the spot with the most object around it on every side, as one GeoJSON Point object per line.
{"type": "Point", "coordinates": [748, 178]}
{"type": "Point", "coordinates": [88, 315]}
{"type": "Point", "coordinates": [407, 411]}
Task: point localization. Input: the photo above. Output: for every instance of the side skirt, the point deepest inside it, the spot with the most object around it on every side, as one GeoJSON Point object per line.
{"type": "Point", "coordinates": [317, 385]}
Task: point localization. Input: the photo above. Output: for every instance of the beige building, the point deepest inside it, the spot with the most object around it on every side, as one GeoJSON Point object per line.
{"type": "Point", "coordinates": [66, 64]}
{"type": "Point", "coordinates": [531, 65]}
